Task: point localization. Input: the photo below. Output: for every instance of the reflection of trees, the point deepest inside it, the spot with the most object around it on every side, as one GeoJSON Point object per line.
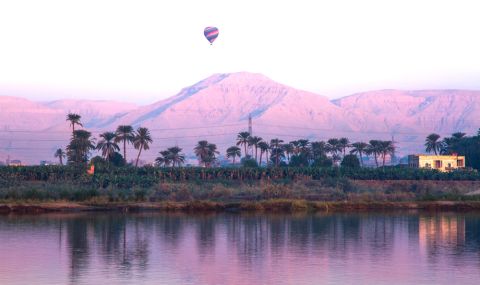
{"type": "Point", "coordinates": [472, 232]}
{"type": "Point", "coordinates": [110, 235]}
{"type": "Point", "coordinates": [77, 240]}
{"type": "Point", "coordinates": [205, 226]}
{"type": "Point", "coordinates": [170, 227]}
{"type": "Point", "coordinates": [125, 244]}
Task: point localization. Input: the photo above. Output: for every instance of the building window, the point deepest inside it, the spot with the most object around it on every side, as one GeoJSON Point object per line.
{"type": "Point", "coordinates": [438, 164]}
{"type": "Point", "coordinates": [460, 162]}
{"type": "Point", "coordinates": [427, 165]}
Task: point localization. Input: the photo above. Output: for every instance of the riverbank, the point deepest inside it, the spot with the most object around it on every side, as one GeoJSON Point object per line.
{"type": "Point", "coordinates": [280, 205]}
{"type": "Point", "coordinates": [326, 194]}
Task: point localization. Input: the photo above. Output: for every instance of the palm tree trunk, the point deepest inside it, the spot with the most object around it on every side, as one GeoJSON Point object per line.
{"type": "Point", "coordinates": [361, 158]}
{"type": "Point", "coordinates": [125, 151]}
{"type": "Point", "coordinates": [256, 153]}
{"type": "Point", "coordinates": [234, 160]}
{"type": "Point", "coordinates": [376, 159]}
{"type": "Point", "coordinates": [383, 157]}
{"type": "Point", "coordinates": [245, 146]}
{"type": "Point", "coordinates": [261, 153]}
{"type": "Point", "coordinates": [138, 156]}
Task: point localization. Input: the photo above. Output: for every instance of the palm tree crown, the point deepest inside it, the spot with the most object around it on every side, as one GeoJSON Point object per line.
{"type": "Point", "coordinates": [175, 156]}
{"type": "Point", "coordinates": [74, 120]}
{"type": "Point", "coordinates": [432, 143]}
{"type": "Point", "coordinates": [60, 154]}
{"type": "Point", "coordinates": [233, 152]}
{"type": "Point", "coordinates": [80, 146]}
{"type": "Point", "coordinates": [206, 152]}
{"type": "Point", "coordinates": [242, 139]}
{"type": "Point", "coordinates": [107, 145]}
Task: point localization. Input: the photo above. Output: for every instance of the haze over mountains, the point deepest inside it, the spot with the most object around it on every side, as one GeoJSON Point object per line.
{"type": "Point", "coordinates": [218, 107]}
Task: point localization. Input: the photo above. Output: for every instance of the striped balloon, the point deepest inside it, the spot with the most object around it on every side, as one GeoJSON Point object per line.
{"type": "Point", "coordinates": [211, 33]}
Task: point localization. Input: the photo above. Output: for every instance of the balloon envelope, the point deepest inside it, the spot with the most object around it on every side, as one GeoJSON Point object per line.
{"type": "Point", "coordinates": [211, 33]}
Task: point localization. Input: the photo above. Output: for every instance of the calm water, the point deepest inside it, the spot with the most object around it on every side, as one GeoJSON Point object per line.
{"type": "Point", "coordinates": [405, 248]}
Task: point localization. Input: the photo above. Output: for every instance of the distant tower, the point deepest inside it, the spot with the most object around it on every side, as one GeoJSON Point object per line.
{"type": "Point", "coordinates": [250, 131]}
{"type": "Point", "coordinates": [393, 158]}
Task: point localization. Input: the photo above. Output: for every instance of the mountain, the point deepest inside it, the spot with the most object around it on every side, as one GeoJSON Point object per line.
{"type": "Point", "coordinates": [32, 131]}
{"type": "Point", "coordinates": [441, 111]}
{"type": "Point", "coordinates": [218, 107]}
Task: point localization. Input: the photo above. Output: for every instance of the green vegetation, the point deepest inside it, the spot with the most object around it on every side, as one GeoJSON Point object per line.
{"type": "Point", "coordinates": [329, 170]}
{"type": "Point", "coordinates": [227, 185]}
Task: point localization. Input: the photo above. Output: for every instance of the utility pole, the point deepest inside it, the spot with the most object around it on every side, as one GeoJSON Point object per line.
{"type": "Point", "coordinates": [250, 131]}
{"type": "Point", "coordinates": [393, 158]}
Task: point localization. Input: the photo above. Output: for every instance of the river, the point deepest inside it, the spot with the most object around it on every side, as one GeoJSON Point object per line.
{"type": "Point", "coordinates": [175, 248]}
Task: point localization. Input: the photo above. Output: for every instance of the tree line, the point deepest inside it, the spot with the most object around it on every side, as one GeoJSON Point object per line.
{"type": "Point", "coordinates": [254, 151]}
{"type": "Point", "coordinates": [458, 143]}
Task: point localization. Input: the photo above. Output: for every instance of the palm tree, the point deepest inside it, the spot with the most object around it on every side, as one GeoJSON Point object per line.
{"type": "Point", "coordinates": [289, 149]}
{"type": "Point", "coordinates": [458, 135]}
{"type": "Point", "coordinates": [212, 152]}
{"type": "Point", "coordinates": [432, 143]}
{"type": "Point", "coordinates": [319, 149]}
{"type": "Point", "coordinates": [107, 145]}
{"type": "Point", "coordinates": [295, 147]}
{"type": "Point", "coordinates": [359, 148]}
{"type": "Point", "coordinates": [334, 148]}
{"type": "Point", "coordinates": [242, 139]}
{"type": "Point", "coordinates": [374, 148]}
{"type": "Point", "coordinates": [264, 147]}
{"type": "Point", "coordinates": [343, 144]}
{"type": "Point", "coordinates": [175, 156]}
{"type": "Point", "coordinates": [303, 146]}
{"type": "Point", "coordinates": [386, 148]}
{"type": "Point", "coordinates": [141, 140]}
{"type": "Point", "coordinates": [60, 154]}
{"type": "Point", "coordinates": [124, 134]}
{"type": "Point", "coordinates": [201, 151]}
{"type": "Point", "coordinates": [253, 141]}
{"type": "Point", "coordinates": [74, 120]}
{"type": "Point", "coordinates": [80, 146]}
{"type": "Point", "coordinates": [276, 152]}
{"type": "Point", "coordinates": [206, 152]}
{"type": "Point", "coordinates": [164, 159]}
{"type": "Point", "coordinates": [233, 152]}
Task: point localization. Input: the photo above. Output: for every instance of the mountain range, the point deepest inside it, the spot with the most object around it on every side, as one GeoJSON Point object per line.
{"type": "Point", "coordinates": [218, 107]}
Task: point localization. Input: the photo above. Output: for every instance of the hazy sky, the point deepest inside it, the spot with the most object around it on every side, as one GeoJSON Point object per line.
{"type": "Point", "coordinates": [142, 51]}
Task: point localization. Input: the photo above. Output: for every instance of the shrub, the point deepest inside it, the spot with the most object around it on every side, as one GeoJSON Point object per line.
{"type": "Point", "coordinates": [350, 161]}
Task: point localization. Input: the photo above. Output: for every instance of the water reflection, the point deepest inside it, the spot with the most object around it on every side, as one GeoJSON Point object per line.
{"type": "Point", "coordinates": [148, 248]}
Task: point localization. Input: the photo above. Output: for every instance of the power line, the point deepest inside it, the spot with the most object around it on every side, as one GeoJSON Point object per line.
{"type": "Point", "coordinates": [100, 131]}
{"type": "Point", "coordinates": [351, 131]}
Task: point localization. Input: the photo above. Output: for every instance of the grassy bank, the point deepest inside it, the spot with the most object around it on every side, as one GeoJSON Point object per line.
{"type": "Point", "coordinates": [233, 188]}
{"type": "Point", "coordinates": [306, 195]}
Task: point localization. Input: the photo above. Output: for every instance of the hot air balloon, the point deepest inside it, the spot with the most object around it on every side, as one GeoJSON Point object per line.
{"type": "Point", "coordinates": [211, 33]}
